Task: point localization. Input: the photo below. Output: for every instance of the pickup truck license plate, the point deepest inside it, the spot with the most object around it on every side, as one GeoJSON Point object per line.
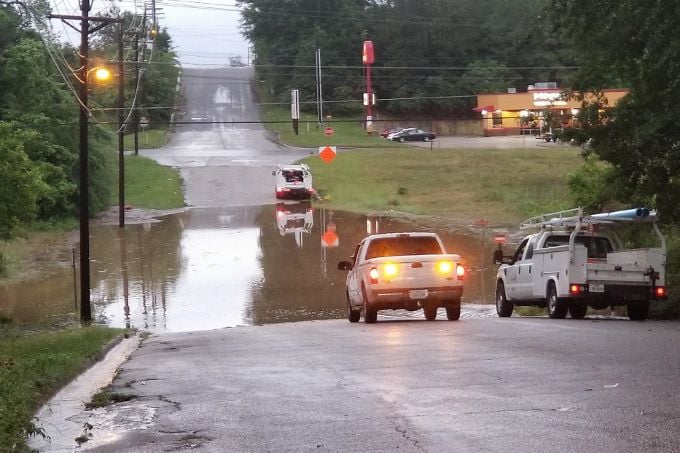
{"type": "Point", "coordinates": [596, 288]}
{"type": "Point", "coordinates": [417, 294]}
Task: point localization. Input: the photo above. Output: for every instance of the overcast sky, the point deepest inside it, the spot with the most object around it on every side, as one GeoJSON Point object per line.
{"type": "Point", "coordinates": [203, 32]}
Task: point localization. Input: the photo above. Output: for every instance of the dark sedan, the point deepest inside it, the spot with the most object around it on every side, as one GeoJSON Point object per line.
{"type": "Point", "coordinates": [412, 135]}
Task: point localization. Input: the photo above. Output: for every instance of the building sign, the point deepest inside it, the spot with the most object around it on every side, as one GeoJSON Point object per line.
{"type": "Point", "coordinates": [548, 98]}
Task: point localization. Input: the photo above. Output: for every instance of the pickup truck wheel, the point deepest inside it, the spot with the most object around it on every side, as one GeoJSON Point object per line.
{"type": "Point", "coordinates": [557, 308]}
{"type": "Point", "coordinates": [638, 311]}
{"type": "Point", "coordinates": [577, 309]}
{"type": "Point", "coordinates": [430, 312]}
{"type": "Point", "coordinates": [352, 315]}
{"type": "Point", "coordinates": [453, 312]}
{"type": "Point", "coordinates": [370, 313]}
{"type": "Point", "coordinates": [503, 306]}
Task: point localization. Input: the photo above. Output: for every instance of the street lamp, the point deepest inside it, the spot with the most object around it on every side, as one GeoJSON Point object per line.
{"type": "Point", "coordinates": [102, 73]}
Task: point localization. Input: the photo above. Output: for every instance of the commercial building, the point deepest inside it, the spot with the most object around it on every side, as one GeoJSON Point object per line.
{"type": "Point", "coordinates": [541, 109]}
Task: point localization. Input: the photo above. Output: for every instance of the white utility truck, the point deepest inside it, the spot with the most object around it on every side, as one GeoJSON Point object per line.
{"type": "Point", "coordinates": [576, 261]}
{"type": "Point", "coordinates": [403, 271]}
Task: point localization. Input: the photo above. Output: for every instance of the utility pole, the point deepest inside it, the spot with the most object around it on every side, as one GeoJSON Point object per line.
{"type": "Point", "coordinates": [319, 91]}
{"type": "Point", "coordinates": [139, 78]}
{"type": "Point", "coordinates": [83, 196]}
{"type": "Point", "coordinates": [135, 114]}
{"type": "Point", "coordinates": [121, 129]}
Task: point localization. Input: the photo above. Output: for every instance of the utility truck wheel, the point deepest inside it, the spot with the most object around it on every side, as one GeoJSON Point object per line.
{"type": "Point", "coordinates": [578, 309]}
{"type": "Point", "coordinates": [557, 308]}
{"type": "Point", "coordinates": [503, 306]}
{"type": "Point", "coordinates": [638, 311]}
{"type": "Point", "coordinates": [430, 312]}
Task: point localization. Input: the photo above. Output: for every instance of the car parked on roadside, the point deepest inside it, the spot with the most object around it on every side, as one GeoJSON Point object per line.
{"type": "Point", "coordinates": [412, 134]}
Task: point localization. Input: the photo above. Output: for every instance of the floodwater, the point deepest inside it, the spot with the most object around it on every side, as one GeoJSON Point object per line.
{"type": "Point", "coordinates": [209, 268]}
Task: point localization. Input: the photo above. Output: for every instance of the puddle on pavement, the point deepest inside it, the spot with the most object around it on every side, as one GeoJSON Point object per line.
{"type": "Point", "coordinates": [223, 267]}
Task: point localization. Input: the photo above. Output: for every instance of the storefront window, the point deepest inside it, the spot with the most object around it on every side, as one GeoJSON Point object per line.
{"type": "Point", "coordinates": [497, 120]}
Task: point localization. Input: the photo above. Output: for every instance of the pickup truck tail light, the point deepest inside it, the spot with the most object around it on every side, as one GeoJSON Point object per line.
{"type": "Point", "coordinates": [374, 274]}
{"type": "Point", "coordinates": [386, 271]}
{"type": "Point", "coordinates": [444, 267]}
{"type": "Point", "coordinates": [660, 292]}
{"type": "Point", "coordinates": [460, 271]}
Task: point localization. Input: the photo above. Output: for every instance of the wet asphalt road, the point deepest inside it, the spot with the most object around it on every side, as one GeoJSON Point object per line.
{"type": "Point", "coordinates": [476, 385]}
{"type": "Point", "coordinates": [224, 157]}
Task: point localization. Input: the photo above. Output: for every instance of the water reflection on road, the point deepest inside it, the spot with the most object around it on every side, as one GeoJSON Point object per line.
{"type": "Point", "coordinates": [221, 267]}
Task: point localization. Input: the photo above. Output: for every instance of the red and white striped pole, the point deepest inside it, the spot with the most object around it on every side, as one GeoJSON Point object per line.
{"type": "Point", "coordinates": [368, 59]}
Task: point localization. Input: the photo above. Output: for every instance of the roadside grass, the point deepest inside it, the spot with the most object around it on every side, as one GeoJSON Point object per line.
{"type": "Point", "coordinates": [150, 185]}
{"type": "Point", "coordinates": [500, 185]}
{"type": "Point", "coordinates": [152, 138]}
{"type": "Point", "coordinates": [346, 132]}
{"type": "Point", "coordinates": [36, 364]}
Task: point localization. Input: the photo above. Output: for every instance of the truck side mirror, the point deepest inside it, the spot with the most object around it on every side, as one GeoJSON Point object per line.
{"type": "Point", "coordinates": [344, 266]}
{"type": "Point", "coordinates": [498, 256]}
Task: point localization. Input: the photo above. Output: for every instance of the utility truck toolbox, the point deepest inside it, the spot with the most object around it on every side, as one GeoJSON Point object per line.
{"type": "Point", "coordinates": [293, 181]}
{"type": "Point", "coordinates": [576, 261]}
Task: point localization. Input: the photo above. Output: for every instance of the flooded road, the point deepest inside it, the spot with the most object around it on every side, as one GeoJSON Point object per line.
{"type": "Point", "coordinates": [236, 256]}
{"type": "Point", "coordinates": [209, 268]}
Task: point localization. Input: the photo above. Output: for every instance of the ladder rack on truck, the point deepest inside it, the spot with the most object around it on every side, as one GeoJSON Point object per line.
{"type": "Point", "coordinates": [573, 220]}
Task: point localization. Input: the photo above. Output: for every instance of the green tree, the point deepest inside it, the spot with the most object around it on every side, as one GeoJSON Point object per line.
{"type": "Point", "coordinates": [429, 55]}
{"type": "Point", "coordinates": [633, 42]}
{"type": "Point", "coordinates": [21, 184]}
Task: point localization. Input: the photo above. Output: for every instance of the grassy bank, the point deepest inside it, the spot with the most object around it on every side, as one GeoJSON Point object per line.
{"type": "Point", "coordinates": [503, 186]}
{"type": "Point", "coordinates": [150, 185]}
{"type": "Point", "coordinates": [153, 138]}
{"type": "Point", "coordinates": [346, 131]}
{"type": "Point", "coordinates": [33, 366]}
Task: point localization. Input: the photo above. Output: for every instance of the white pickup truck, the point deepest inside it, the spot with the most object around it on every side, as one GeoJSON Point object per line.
{"type": "Point", "coordinates": [403, 271]}
{"type": "Point", "coordinates": [574, 262]}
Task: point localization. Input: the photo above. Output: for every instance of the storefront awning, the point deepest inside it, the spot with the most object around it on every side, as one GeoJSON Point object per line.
{"type": "Point", "coordinates": [488, 108]}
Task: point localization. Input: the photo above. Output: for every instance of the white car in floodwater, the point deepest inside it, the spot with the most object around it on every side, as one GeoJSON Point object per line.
{"type": "Point", "coordinates": [293, 181]}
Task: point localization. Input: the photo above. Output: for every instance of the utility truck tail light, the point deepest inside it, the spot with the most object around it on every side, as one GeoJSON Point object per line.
{"type": "Point", "coordinates": [576, 290]}
{"type": "Point", "coordinates": [460, 271]}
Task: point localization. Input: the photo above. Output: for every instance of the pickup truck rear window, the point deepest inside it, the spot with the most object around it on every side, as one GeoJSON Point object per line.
{"type": "Point", "coordinates": [598, 247]}
{"type": "Point", "coordinates": [403, 246]}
